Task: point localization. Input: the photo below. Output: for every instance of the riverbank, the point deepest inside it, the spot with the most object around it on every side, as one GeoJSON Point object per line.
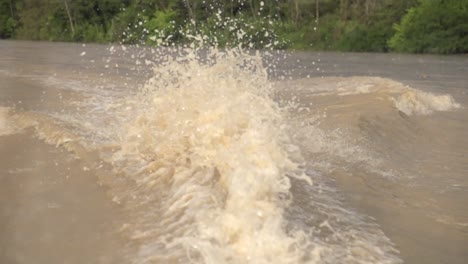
{"type": "Point", "coordinates": [362, 26]}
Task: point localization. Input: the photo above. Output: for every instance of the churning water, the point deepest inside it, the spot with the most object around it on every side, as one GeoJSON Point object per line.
{"type": "Point", "coordinates": [223, 156]}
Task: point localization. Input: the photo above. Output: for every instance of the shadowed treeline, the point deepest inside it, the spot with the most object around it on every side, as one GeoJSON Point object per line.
{"type": "Point", "coordinates": [418, 26]}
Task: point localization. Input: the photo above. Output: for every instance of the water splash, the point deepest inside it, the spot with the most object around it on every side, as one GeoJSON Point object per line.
{"type": "Point", "coordinates": [206, 138]}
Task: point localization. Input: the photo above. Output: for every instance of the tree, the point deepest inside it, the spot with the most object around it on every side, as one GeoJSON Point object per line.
{"type": "Point", "coordinates": [7, 19]}
{"type": "Point", "coordinates": [434, 26]}
{"type": "Point", "coordinates": [69, 16]}
{"type": "Point", "coordinates": [317, 12]}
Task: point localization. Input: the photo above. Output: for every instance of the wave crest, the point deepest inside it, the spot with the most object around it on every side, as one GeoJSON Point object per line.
{"type": "Point", "coordinates": [423, 103]}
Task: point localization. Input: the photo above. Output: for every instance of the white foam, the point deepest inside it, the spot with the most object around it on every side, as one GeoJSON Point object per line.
{"type": "Point", "coordinates": [406, 99]}
{"type": "Point", "coordinates": [6, 127]}
{"type": "Point", "coordinates": [416, 102]}
{"type": "Point", "coordinates": [345, 86]}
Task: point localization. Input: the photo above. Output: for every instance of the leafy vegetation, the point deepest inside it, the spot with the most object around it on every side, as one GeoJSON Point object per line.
{"type": "Point", "coordinates": [421, 26]}
{"type": "Point", "coordinates": [433, 26]}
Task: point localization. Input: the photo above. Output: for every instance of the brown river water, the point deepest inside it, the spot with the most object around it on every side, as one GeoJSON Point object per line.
{"type": "Point", "coordinates": [115, 154]}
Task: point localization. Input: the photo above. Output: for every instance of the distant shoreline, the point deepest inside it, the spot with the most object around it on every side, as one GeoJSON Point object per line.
{"type": "Point", "coordinates": [286, 49]}
{"type": "Point", "coordinates": [410, 26]}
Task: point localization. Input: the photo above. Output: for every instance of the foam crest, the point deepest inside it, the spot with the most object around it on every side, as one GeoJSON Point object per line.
{"type": "Point", "coordinates": [408, 100]}
{"type": "Point", "coordinates": [6, 126]}
{"type": "Point", "coordinates": [416, 102]}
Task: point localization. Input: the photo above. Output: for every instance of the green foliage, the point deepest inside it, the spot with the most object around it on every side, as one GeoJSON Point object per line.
{"type": "Point", "coordinates": [160, 26]}
{"type": "Point", "coordinates": [371, 32]}
{"type": "Point", "coordinates": [356, 37]}
{"type": "Point", "coordinates": [7, 22]}
{"type": "Point", "coordinates": [33, 20]}
{"type": "Point", "coordinates": [7, 26]}
{"type": "Point", "coordinates": [243, 31]}
{"type": "Point", "coordinates": [122, 22]}
{"type": "Point", "coordinates": [434, 26]}
{"type": "Point", "coordinates": [90, 32]}
{"type": "Point", "coordinates": [294, 36]}
{"type": "Point", "coordinates": [347, 25]}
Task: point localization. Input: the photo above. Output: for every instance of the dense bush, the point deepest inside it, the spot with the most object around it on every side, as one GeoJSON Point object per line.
{"type": "Point", "coordinates": [7, 22]}
{"type": "Point", "coordinates": [434, 26]}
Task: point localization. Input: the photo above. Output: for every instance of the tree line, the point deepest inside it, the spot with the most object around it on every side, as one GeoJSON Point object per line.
{"type": "Point", "coordinates": [417, 26]}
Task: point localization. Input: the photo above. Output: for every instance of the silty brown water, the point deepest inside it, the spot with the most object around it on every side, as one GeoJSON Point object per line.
{"type": "Point", "coordinates": [387, 161]}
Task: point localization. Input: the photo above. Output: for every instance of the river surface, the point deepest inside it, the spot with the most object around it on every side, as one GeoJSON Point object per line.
{"type": "Point", "coordinates": [116, 154]}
